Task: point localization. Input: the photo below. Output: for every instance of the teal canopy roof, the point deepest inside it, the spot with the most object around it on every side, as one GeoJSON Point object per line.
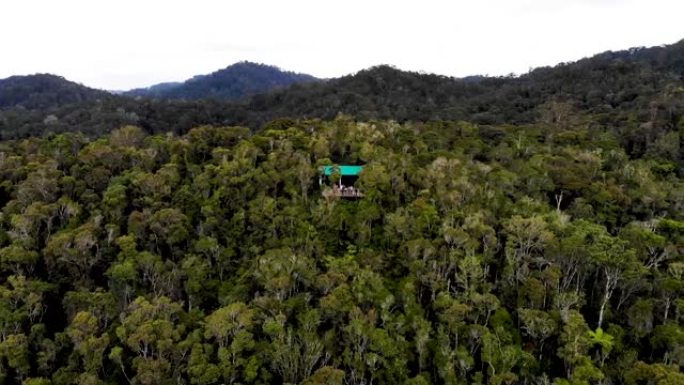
{"type": "Point", "coordinates": [345, 170]}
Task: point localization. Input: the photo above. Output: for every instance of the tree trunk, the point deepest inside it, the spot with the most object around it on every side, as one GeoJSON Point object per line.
{"type": "Point", "coordinates": [611, 281]}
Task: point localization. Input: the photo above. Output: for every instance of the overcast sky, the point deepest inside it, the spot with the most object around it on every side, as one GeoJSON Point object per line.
{"type": "Point", "coordinates": [132, 43]}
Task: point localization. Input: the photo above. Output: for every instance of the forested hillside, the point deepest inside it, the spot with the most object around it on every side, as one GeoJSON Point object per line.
{"type": "Point", "coordinates": [617, 86]}
{"type": "Point", "coordinates": [44, 92]}
{"type": "Point", "coordinates": [637, 92]}
{"type": "Point", "coordinates": [234, 82]}
{"type": "Point", "coordinates": [548, 253]}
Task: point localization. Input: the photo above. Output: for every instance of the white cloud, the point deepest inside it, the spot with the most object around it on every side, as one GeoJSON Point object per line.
{"type": "Point", "coordinates": [129, 43]}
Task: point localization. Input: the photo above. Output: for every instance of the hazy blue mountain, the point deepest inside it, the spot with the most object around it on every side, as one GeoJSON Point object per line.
{"type": "Point", "coordinates": [234, 82]}
{"type": "Point", "coordinates": [155, 91]}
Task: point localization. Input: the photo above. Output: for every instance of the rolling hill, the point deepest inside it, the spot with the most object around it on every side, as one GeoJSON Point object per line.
{"type": "Point", "coordinates": [605, 83]}
{"type": "Point", "coordinates": [234, 82]}
{"type": "Point", "coordinates": [637, 92]}
{"type": "Point", "coordinates": [43, 91]}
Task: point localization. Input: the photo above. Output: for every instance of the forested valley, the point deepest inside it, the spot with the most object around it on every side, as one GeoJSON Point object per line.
{"type": "Point", "coordinates": [536, 239]}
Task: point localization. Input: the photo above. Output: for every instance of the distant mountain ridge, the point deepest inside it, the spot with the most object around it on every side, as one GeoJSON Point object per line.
{"type": "Point", "coordinates": [639, 92]}
{"type": "Point", "coordinates": [233, 83]}
{"type": "Point", "coordinates": [42, 91]}
{"type": "Point", "coordinates": [627, 81]}
{"type": "Point", "coordinates": [154, 91]}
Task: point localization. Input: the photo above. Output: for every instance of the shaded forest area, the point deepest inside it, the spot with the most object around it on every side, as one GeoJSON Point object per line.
{"type": "Point", "coordinates": [532, 254]}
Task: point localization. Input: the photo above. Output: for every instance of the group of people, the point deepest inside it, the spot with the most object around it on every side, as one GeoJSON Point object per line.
{"type": "Point", "coordinates": [347, 191]}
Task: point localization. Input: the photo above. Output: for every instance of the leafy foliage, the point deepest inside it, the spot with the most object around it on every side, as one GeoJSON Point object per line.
{"type": "Point", "coordinates": [479, 254]}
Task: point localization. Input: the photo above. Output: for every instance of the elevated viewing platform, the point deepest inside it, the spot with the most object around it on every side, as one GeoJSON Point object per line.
{"type": "Point", "coordinates": [342, 178]}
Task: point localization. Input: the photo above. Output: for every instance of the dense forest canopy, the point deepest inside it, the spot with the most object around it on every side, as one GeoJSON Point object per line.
{"type": "Point", "coordinates": [530, 254]}
{"type": "Point", "coordinates": [514, 230]}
